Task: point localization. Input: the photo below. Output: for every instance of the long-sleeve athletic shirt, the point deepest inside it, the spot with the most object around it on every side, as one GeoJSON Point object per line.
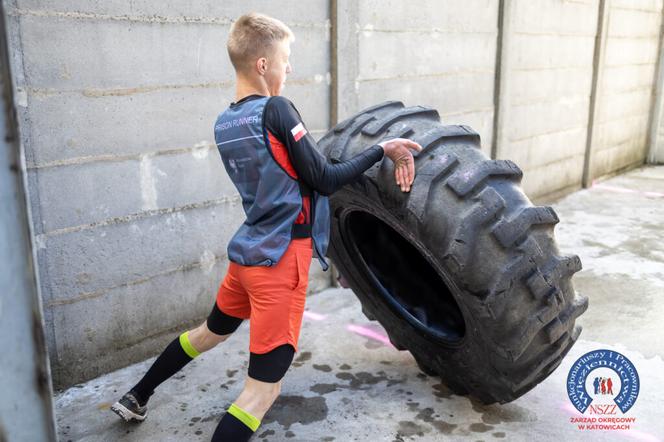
{"type": "Point", "coordinates": [285, 126]}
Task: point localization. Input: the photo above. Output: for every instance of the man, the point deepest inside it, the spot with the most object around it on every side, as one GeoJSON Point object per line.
{"type": "Point", "coordinates": [284, 182]}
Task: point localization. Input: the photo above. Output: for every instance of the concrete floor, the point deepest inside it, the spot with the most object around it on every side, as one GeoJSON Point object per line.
{"type": "Point", "coordinates": [348, 384]}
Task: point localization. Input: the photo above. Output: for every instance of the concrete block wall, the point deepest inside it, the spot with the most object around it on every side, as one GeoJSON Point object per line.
{"type": "Point", "coordinates": [437, 54]}
{"type": "Point", "coordinates": [549, 71]}
{"type": "Point", "coordinates": [626, 92]}
{"type": "Point", "coordinates": [131, 207]}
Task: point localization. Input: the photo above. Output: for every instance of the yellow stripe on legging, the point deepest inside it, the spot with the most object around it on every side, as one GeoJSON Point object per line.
{"type": "Point", "coordinates": [186, 345]}
{"type": "Point", "coordinates": [244, 417]}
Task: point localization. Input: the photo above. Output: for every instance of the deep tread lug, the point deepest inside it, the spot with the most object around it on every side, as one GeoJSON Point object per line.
{"type": "Point", "coordinates": [467, 179]}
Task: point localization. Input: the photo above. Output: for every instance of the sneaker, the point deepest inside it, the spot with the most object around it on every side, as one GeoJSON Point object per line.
{"type": "Point", "coordinates": [129, 409]}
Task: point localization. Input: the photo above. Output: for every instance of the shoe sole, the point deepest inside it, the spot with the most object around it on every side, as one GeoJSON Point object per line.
{"type": "Point", "coordinates": [126, 414]}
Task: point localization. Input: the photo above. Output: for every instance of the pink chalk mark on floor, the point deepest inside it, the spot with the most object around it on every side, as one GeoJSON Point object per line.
{"type": "Point", "coordinates": [568, 407]}
{"type": "Point", "coordinates": [367, 332]}
{"type": "Point", "coordinates": [314, 316]}
{"type": "Point", "coordinates": [617, 189]}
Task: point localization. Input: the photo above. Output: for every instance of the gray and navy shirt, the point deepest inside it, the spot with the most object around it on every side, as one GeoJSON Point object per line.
{"type": "Point", "coordinates": [282, 178]}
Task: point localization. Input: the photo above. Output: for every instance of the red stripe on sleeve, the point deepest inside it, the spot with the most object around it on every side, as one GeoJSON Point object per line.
{"type": "Point", "coordinates": [280, 154]}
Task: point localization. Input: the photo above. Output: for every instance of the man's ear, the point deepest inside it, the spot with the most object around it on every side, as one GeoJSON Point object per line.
{"type": "Point", "coordinates": [261, 65]}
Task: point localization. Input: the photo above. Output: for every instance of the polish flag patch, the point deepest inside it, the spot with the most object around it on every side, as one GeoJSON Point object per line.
{"type": "Point", "coordinates": [298, 132]}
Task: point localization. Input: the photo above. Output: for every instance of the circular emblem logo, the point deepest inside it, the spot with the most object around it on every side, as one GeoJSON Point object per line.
{"type": "Point", "coordinates": [603, 380]}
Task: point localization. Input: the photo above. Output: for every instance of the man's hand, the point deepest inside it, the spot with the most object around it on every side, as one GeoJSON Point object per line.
{"type": "Point", "coordinates": [398, 151]}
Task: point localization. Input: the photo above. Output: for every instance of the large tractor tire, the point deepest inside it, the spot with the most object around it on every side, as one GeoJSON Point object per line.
{"type": "Point", "coordinates": [462, 271]}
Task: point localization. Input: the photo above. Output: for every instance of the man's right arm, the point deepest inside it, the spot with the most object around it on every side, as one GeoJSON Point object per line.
{"type": "Point", "coordinates": [285, 123]}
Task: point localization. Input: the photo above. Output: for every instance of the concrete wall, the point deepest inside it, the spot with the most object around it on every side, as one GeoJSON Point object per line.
{"type": "Point", "coordinates": [626, 92]}
{"type": "Point", "coordinates": [547, 81]}
{"type": "Point", "coordinates": [26, 408]}
{"type": "Point", "coordinates": [520, 72]}
{"type": "Point", "coordinates": [441, 54]}
{"type": "Point", "coordinates": [131, 210]}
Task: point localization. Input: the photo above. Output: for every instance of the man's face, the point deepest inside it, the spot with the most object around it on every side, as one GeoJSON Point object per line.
{"type": "Point", "coordinates": [278, 67]}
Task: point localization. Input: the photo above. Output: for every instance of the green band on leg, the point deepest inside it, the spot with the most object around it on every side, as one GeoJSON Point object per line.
{"type": "Point", "coordinates": [186, 345]}
{"type": "Point", "coordinates": [246, 418]}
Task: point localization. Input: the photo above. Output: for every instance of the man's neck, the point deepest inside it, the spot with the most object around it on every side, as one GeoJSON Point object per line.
{"type": "Point", "coordinates": [245, 87]}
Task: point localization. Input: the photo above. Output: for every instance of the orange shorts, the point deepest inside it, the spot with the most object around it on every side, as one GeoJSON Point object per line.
{"type": "Point", "coordinates": [272, 298]}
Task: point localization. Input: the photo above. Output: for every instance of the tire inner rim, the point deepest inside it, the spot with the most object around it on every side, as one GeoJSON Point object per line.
{"type": "Point", "coordinates": [403, 277]}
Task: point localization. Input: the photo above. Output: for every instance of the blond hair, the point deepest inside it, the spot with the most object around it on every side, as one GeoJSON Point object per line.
{"type": "Point", "coordinates": [252, 36]}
